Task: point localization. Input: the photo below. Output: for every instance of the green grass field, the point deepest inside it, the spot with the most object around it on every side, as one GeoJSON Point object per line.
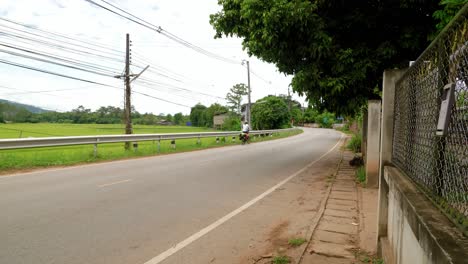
{"type": "Point", "coordinates": [11, 160]}
{"type": "Point", "coordinates": [53, 130]}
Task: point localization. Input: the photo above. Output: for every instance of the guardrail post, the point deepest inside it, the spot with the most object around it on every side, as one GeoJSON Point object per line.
{"type": "Point", "coordinates": [233, 139]}
{"type": "Point", "coordinates": [173, 144]}
{"type": "Point", "coordinates": [159, 144]}
{"type": "Point", "coordinates": [198, 140]}
{"type": "Point", "coordinates": [135, 146]}
{"type": "Point", "coordinates": [95, 150]}
{"type": "Point", "coordinates": [217, 140]}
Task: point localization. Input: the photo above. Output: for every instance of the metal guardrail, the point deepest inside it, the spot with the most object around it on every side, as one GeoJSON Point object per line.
{"type": "Point", "coordinates": [22, 143]}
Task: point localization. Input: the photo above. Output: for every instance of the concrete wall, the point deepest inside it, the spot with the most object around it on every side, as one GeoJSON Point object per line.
{"type": "Point", "coordinates": [411, 229]}
{"type": "Point", "coordinates": [372, 147]}
{"type": "Point", "coordinates": [417, 231]}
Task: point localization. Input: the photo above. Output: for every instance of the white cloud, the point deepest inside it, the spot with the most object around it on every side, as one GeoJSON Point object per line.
{"type": "Point", "coordinates": [187, 19]}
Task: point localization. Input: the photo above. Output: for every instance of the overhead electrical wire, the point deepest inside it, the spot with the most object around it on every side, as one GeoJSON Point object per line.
{"type": "Point", "coordinates": [84, 80]}
{"type": "Point", "coordinates": [55, 63]}
{"type": "Point", "coordinates": [66, 42]}
{"type": "Point", "coordinates": [146, 80]}
{"type": "Point", "coordinates": [50, 72]}
{"type": "Point", "coordinates": [67, 60]}
{"type": "Point", "coordinates": [23, 90]}
{"type": "Point", "coordinates": [161, 31]}
{"type": "Point", "coordinates": [100, 45]}
{"type": "Point", "coordinates": [61, 47]}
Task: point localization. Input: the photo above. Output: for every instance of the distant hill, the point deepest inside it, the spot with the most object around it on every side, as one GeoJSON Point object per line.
{"type": "Point", "coordinates": [30, 108]}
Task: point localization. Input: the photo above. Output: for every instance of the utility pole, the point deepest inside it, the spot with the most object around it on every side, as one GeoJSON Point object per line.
{"type": "Point", "coordinates": [128, 93]}
{"type": "Point", "coordinates": [249, 106]}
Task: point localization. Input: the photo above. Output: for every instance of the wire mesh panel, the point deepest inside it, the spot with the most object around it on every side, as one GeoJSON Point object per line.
{"type": "Point", "coordinates": [437, 163]}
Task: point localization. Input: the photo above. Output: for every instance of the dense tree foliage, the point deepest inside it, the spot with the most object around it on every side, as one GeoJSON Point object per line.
{"type": "Point", "coordinates": [270, 112]}
{"type": "Point", "coordinates": [197, 115]}
{"type": "Point", "coordinates": [336, 49]}
{"type": "Point", "coordinates": [450, 9]}
{"type": "Point", "coordinates": [211, 111]}
{"type": "Point", "coordinates": [179, 119]}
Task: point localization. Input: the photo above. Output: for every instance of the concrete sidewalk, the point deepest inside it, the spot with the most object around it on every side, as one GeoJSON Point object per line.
{"type": "Point", "coordinates": [344, 233]}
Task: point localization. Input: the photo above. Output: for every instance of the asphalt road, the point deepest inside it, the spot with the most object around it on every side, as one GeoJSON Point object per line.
{"type": "Point", "coordinates": [131, 211]}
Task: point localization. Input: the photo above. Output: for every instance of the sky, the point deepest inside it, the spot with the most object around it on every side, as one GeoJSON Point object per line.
{"type": "Point", "coordinates": [96, 37]}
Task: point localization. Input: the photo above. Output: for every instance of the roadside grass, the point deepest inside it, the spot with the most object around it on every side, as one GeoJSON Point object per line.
{"type": "Point", "coordinates": [361, 174]}
{"type": "Point", "coordinates": [354, 143]}
{"type": "Point", "coordinates": [11, 160]}
{"type": "Point", "coordinates": [296, 242]}
{"type": "Point", "coordinates": [281, 260]}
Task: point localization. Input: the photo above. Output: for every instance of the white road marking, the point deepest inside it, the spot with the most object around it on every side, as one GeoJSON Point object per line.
{"type": "Point", "coordinates": [164, 255]}
{"type": "Point", "coordinates": [109, 184]}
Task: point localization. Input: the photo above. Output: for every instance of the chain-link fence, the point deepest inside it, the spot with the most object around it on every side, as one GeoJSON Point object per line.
{"type": "Point", "coordinates": [437, 163]}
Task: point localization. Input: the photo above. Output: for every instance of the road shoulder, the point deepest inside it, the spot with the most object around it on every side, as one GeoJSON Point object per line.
{"type": "Point", "coordinates": [264, 230]}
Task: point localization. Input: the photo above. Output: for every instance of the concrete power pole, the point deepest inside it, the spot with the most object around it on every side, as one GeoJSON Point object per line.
{"type": "Point", "coordinates": [128, 94]}
{"type": "Point", "coordinates": [249, 91]}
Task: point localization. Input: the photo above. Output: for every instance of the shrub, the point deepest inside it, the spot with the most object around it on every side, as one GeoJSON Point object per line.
{"type": "Point", "coordinates": [354, 143]}
{"type": "Point", "coordinates": [232, 123]}
{"type": "Point", "coordinates": [325, 119]}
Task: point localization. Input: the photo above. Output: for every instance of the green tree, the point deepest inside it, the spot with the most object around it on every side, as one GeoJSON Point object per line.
{"type": "Point", "coordinates": [197, 115]}
{"type": "Point", "coordinates": [297, 115]}
{"type": "Point", "coordinates": [270, 112]}
{"type": "Point", "coordinates": [310, 114]}
{"type": "Point", "coordinates": [214, 109]}
{"type": "Point", "coordinates": [179, 119]}
{"type": "Point", "coordinates": [336, 50]}
{"type": "Point", "coordinates": [450, 9]}
{"type": "Point", "coordinates": [234, 97]}
{"type": "Point", "coordinates": [169, 118]}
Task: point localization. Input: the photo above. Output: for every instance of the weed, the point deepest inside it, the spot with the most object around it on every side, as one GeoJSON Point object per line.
{"type": "Point", "coordinates": [361, 174]}
{"type": "Point", "coordinates": [281, 260]}
{"type": "Point", "coordinates": [354, 143]}
{"type": "Point", "coordinates": [295, 242]}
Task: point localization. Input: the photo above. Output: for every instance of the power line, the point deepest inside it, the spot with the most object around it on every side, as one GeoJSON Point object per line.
{"type": "Point", "coordinates": [160, 99]}
{"type": "Point", "coordinates": [145, 80]}
{"type": "Point", "coordinates": [110, 73]}
{"type": "Point", "coordinates": [55, 63]}
{"type": "Point", "coordinates": [50, 72]}
{"type": "Point", "coordinates": [84, 80]}
{"type": "Point", "coordinates": [66, 42]}
{"type": "Point", "coordinates": [64, 36]}
{"type": "Point", "coordinates": [58, 46]}
{"type": "Point", "coordinates": [27, 91]}
{"type": "Point", "coordinates": [63, 58]}
{"type": "Point", "coordinates": [161, 31]}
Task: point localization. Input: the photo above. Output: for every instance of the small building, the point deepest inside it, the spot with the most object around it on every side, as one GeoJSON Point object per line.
{"type": "Point", "coordinates": [218, 120]}
{"type": "Point", "coordinates": [163, 122]}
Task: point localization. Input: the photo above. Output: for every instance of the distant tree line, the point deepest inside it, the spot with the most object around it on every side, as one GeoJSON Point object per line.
{"type": "Point", "coordinates": [82, 115]}
{"type": "Point", "coordinates": [270, 112]}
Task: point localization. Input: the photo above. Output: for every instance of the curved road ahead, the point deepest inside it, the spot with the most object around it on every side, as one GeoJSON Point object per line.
{"type": "Point", "coordinates": [131, 211]}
